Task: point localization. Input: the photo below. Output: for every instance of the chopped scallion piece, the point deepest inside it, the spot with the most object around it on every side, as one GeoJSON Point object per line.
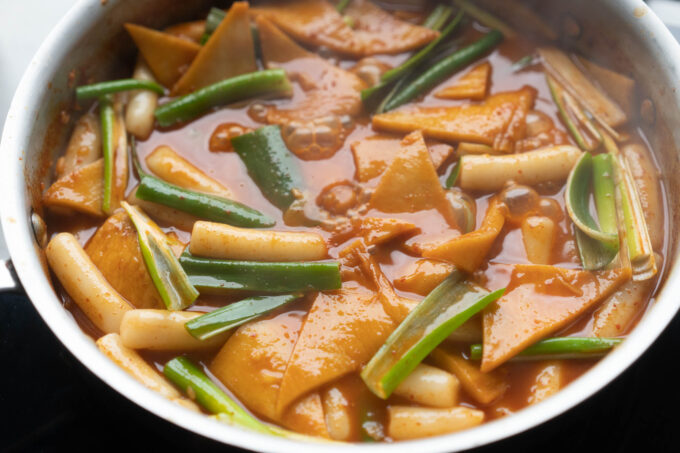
{"type": "Point", "coordinates": [560, 348]}
{"type": "Point", "coordinates": [245, 86]}
{"type": "Point", "coordinates": [168, 276]}
{"type": "Point", "coordinates": [270, 164]}
{"type": "Point", "coordinates": [631, 217]}
{"type": "Point", "coordinates": [597, 245]}
{"type": "Point", "coordinates": [485, 18]}
{"type": "Point", "coordinates": [107, 117]}
{"type": "Point", "coordinates": [444, 68]}
{"type": "Point", "coordinates": [194, 382]}
{"type": "Point", "coordinates": [581, 128]}
{"type": "Point", "coordinates": [202, 205]}
{"type": "Point", "coordinates": [233, 315]}
{"type": "Point", "coordinates": [114, 86]}
{"type": "Point", "coordinates": [213, 20]}
{"type": "Point", "coordinates": [226, 276]}
{"type": "Point", "coordinates": [445, 309]}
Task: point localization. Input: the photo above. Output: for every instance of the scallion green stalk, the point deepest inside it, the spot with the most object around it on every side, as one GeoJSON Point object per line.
{"type": "Point", "coordinates": [559, 348]}
{"type": "Point", "coordinates": [236, 314]}
{"type": "Point", "coordinates": [98, 90]}
{"type": "Point", "coordinates": [107, 117]}
{"type": "Point", "coordinates": [199, 204]}
{"type": "Point", "coordinates": [226, 276]}
{"type": "Point", "coordinates": [245, 86]}
{"type": "Point", "coordinates": [194, 382]}
{"type": "Point", "coordinates": [168, 276]}
{"type": "Point", "coordinates": [445, 309]}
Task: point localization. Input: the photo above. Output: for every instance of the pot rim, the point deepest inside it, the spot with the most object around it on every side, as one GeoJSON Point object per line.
{"type": "Point", "coordinates": [15, 213]}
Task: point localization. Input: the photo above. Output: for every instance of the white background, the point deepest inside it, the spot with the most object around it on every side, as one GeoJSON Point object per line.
{"type": "Point", "coordinates": [23, 26]}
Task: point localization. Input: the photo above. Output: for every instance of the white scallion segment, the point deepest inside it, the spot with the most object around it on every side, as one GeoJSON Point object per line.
{"type": "Point", "coordinates": [139, 117]}
{"type": "Point", "coordinates": [491, 173]}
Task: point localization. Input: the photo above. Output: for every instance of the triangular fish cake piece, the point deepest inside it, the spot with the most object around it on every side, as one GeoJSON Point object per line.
{"type": "Point", "coordinates": [168, 56]}
{"type": "Point", "coordinates": [115, 250]}
{"type": "Point", "coordinates": [469, 250]}
{"type": "Point", "coordinates": [81, 190]}
{"type": "Point", "coordinates": [373, 154]}
{"type": "Point", "coordinates": [340, 335]}
{"type": "Point", "coordinates": [472, 85]}
{"type": "Point", "coordinates": [499, 121]}
{"type": "Point", "coordinates": [538, 301]}
{"type": "Point", "coordinates": [252, 364]}
{"type": "Point", "coordinates": [229, 52]}
{"type": "Point", "coordinates": [410, 183]}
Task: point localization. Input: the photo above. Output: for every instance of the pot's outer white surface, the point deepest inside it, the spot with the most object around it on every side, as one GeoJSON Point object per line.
{"type": "Point", "coordinates": [91, 32]}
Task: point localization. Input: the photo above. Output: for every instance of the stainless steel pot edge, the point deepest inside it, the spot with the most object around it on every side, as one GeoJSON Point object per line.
{"type": "Point", "coordinates": [16, 225]}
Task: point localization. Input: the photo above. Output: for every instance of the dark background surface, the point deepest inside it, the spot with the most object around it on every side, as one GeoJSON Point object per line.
{"type": "Point", "coordinates": [50, 402]}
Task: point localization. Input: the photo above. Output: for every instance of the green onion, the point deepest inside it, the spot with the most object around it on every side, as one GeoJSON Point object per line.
{"type": "Point", "coordinates": [225, 276]}
{"type": "Point", "coordinates": [445, 309]}
{"type": "Point", "coordinates": [605, 193]}
{"type": "Point", "coordinates": [438, 17]}
{"type": "Point", "coordinates": [597, 246]}
{"type": "Point", "coordinates": [581, 128]}
{"type": "Point", "coordinates": [560, 348]}
{"type": "Point", "coordinates": [170, 280]}
{"type": "Point", "coordinates": [114, 86]}
{"type": "Point", "coordinates": [270, 164]}
{"type": "Point", "coordinates": [523, 63]}
{"type": "Point", "coordinates": [342, 5]}
{"type": "Point", "coordinates": [445, 68]}
{"type": "Point", "coordinates": [202, 205]}
{"type": "Point", "coordinates": [245, 86]}
{"type": "Point", "coordinates": [233, 315]}
{"type": "Point", "coordinates": [405, 69]}
{"type": "Point", "coordinates": [453, 176]}
{"type": "Point", "coordinates": [631, 217]}
{"type": "Point", "coordinates": [108, 118]}
{"type": "Point", "coordinates": [192, 381]}
{"type": "Point", "coordinates": [485, 18]}
{"type": "Point", "coordinates": [213, 20]}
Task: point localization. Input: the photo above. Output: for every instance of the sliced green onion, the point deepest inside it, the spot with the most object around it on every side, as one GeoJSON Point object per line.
{"type": "Point", "coordinates": [202, 205]}
{"type": "Point", "coordinates": [453, 176]}
{"type": "Point", "coordinates": [605, 194]}
{"type": "Point", "coordinates": [524, 62]}
{"type": "Point", "coordinates": [170, 280]}
{"type": "Point", "coordinates": [603, 245]}
{"type": "Point", "coordinates": [194, 382]}
{"type": "Point", "coordinates": [406, 68]}
{"type": "Point", "coordinates": [485, 18]}
{"type": "Point", "coordinates": [114, 86]}
{"type": "Point", "coordinates": [342, 5]}
{"type": "Point", "coordinates": [559, 348]}
{"type": "Point", "coordinates": [581, 128]}
{"type": "Point", "coordinates": [107, 117]}
{"type": "Point", "coordinates": [225, 277]}
{"type": "Point", "coordinates": [438, 17]}
{"type": "Point", "coordinates": [445, 68]}
{"type": "Point", "coordinates": [270, 164]}
{"type": "Point", "coordinates": [245, 86]}
{"type": "Point", "coordinates": [213, 20]}
{"type": "Point", "coordinates": [631, 217]}
{"type": "Point", "coordinates": [233, 315]}
{"type": "Point", "coordinates": [445, 309]}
